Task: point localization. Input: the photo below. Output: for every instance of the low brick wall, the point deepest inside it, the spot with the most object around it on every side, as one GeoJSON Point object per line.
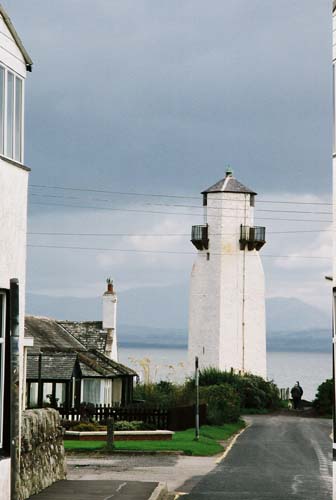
{"type": "Point", "coordinates": [42, 460]}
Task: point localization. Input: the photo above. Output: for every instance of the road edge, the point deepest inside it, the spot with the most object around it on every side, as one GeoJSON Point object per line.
{"type": "Point", "coordinates": [159, 492]}
{"type": "Point", "coordinates": [232, 443]}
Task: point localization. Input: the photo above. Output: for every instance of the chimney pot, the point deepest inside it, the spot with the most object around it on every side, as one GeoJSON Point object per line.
{"type": "Point", "coordinates": [109, 285]}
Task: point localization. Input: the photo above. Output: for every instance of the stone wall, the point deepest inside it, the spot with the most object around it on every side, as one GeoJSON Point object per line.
{"type": "Point", "coordinates": [42, 460]}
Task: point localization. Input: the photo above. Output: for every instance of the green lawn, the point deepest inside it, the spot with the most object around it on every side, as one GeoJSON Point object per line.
{"type": "Point", "coordinates": [182, 441]}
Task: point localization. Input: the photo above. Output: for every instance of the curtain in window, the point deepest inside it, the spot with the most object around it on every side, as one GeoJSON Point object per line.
{"type": "Point", "coordinates": [47, 391]}
{"type": "Point", "coordinates": [91, 391]}
{"type": "Point", "coordinates": [107, 384]}
{"type": "Point", "coordinates": [60, 393]}
{"type": "Point", "coordinates": [33, 395]}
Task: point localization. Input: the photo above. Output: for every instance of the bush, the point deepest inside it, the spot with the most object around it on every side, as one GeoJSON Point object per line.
{"type": "Point", "coordinates": [165, 394]}
{"type": "Point", "coordinates": [124, 425]}
{"type": "Point", "coordinates": [86, 427]}
{"type": "Point", "coordinates": [323, 398]}
{"type": "Point", "coordinates": [155, 394]}
{"type": "Point", "coordinates": [254, 392]}
{"type": "Point", "coordinates": [223, 403]}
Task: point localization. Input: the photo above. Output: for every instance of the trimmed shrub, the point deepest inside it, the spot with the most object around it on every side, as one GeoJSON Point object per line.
{"type": "Point", "coordinates": [323, 398]}
{"type": "Point", "coordinates": [124, 425]}
{"type": "Point", "coordinates": [86, 427]}
{"type": "Point", "coordinates": [223, 403]}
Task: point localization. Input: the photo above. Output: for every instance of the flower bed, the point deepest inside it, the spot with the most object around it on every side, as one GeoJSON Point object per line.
{"type": "Point", "coordinates": [119, 435]}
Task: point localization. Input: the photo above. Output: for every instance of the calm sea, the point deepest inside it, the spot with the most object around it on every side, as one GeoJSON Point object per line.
{"type": "Point", "coordinates": [285, 368]}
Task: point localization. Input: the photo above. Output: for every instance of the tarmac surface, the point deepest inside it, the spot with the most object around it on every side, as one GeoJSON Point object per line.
{"type": "Point", "coordinates": [276, 457]}
{"type": "Point", "coordinates": [97, 490]}
{"type": "Point", "coordinates": [172, 469]}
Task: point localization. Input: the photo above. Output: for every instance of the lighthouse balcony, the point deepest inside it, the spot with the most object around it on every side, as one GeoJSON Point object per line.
{"type": "Point", "coordinates": [199, 237]}
{"type": "Point", "coordinates": [254, 238]}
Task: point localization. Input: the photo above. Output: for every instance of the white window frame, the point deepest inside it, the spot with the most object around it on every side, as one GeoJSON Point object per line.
{"type": "Point", "coordinates": [2, 365]}
{"type": "Point", "coordinates": [16, 75]}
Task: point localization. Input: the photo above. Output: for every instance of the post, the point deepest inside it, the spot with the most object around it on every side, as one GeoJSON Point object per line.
{"type": "Point", "coordinates": [110, 434]}
{"type": "Point", "coordinates": [39, 383]}
{"type": "Point", "coordinates": [197, 400]}
{"type": "Point", "coordinates": [15, 387]}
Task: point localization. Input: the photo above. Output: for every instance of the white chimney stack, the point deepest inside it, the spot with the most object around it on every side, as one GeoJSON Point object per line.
{"type": "Point", "coordinates": [110, 321]}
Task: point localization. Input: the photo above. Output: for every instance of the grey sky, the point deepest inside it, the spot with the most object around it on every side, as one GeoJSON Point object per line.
{"type": "Point", "coordinates": [157, 96]}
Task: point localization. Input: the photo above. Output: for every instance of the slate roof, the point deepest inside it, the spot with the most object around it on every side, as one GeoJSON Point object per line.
{"type": "Point", "coordinates": [95, 364]}
{"type": "Point", "coordinates": [89, 333]}
{"type": "Point", "coordinates": [62, 353]}
{"type": "Point", "coordinates": [54, 366]}
{"type": "Point", "coordinates": [229, 185]}
{"type": "Point", "coordinates": [48, 333]}
{"type": "Point", "coordinates": [17, 39]}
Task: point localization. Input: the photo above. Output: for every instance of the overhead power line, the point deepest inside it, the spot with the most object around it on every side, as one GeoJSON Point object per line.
{"type": "Point", "coordinates": [162, 195]}
{"type": "Point", "coordinates": [131, 250]}
{"type": "Point", "coordinates": [114, 209]}
{"type": "Point", "coordinates": [160, 235]}
{"type": "Point", "coordinates": [188, 206]}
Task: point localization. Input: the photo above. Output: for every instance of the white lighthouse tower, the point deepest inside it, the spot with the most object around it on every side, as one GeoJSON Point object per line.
{"type": "Point", "coordinates": [227, 291]}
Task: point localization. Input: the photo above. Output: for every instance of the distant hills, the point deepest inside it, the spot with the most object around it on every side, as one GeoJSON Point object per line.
{"type": "Point", "coordinates": [157, 317]}
{"type": "Point", "coordinates": [293, 325]}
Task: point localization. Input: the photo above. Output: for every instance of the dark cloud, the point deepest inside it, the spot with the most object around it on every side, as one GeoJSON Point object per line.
{"type": "Point", "coordinates": [149, 93]}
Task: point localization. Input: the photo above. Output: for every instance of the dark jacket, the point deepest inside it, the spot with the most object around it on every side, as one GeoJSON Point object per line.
{"type": "Point", "coordinates": [296, 393]}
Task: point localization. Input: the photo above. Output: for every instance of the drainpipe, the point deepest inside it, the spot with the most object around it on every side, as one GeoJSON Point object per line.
{"type": "Point", "coordinates": [15, 387]}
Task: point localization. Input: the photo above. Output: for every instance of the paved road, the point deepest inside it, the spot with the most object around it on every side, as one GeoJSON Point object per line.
{"type": "Point", "coordinates": [97, 490]}
{"type": "Point", "coordinates": [276, 458]}
{"type": "Point", "coordinates": [173, 470]}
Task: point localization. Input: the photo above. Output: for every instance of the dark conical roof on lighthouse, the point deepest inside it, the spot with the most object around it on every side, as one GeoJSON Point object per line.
{"type": "Point", "coordinates": [229, 185]}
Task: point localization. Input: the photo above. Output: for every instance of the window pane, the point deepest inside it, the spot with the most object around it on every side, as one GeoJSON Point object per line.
{"type": "Point", "coordinates": [47, 391]}
{"type": "Point", "coordinates": [2, 108]}
{"type": "Point", "coordinates": [10, 114]}
{"type": "Point", "coordinates": [107, 385]}
{"type": "Point", "coordinates": [91, 391]}
{"type": "Point", "coordinates": [18, 119]}
{"type": "Point", "coordinates": [33, 402]}
{"type": "Point", "coordinates": [60, 393]}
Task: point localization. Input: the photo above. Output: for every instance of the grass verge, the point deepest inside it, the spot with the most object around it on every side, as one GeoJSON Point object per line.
{"type": "Point", "coordinates": [182, 441]}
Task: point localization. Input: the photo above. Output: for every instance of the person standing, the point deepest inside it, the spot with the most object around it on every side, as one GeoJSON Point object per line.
{"type": "Point", "coordinates": [296, 393]}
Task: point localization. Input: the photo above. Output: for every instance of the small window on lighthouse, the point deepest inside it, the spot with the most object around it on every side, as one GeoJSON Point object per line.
{"type": "Point", "coordinates": [252, 200]}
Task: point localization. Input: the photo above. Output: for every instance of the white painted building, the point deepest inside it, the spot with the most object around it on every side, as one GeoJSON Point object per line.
{"type": "Point", "coordinates": [334, 236]}
{"type": "Point", "coordinates": [14, 64]}
{"type": "Point", "coordinates": [227, 291]}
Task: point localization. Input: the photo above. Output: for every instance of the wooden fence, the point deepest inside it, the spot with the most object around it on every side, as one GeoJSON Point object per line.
{"type": "Point", "coordinates": [174, 419]}
{"type": "Point", "coordinates": [284, 393]}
